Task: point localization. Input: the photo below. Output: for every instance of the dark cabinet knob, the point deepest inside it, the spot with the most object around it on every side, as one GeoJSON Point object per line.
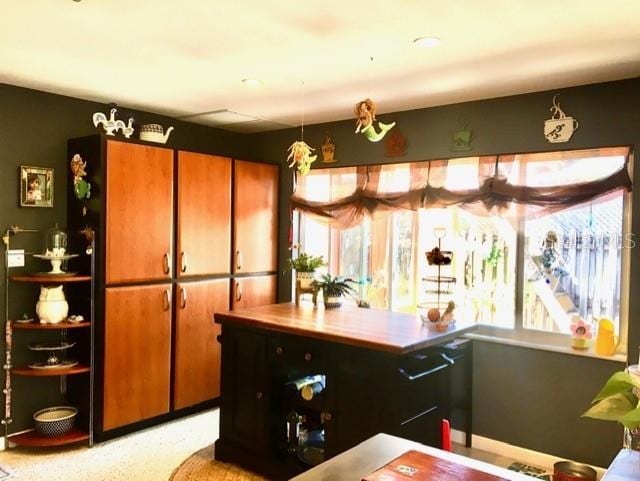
{"type": "Point", "coordinates": [279, 350]}
{"type": "Point", "coordinates": [307, 356]}
{"type": "Point", "coordinates": [327, 416]}
{"type": "Point", "coordinates": [259, 395]}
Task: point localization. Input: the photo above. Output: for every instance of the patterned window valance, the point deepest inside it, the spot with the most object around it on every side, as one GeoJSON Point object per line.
{"type": "Point", "coordinates": [508, 185]}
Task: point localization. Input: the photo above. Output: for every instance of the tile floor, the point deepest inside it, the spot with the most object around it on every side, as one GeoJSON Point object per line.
{"type": "Point", "coordinates": [150, 455]}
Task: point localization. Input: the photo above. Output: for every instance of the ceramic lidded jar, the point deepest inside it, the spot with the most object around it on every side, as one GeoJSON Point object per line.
{"type": "Point", "coordinates": [52, 306]}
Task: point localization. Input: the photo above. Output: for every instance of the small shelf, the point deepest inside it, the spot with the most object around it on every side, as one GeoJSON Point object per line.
{"type": "Point", "coordinates": [69, 371]}
{"type": "Point", "coordinates": [53, 279]}
{"type": "Point", "coordinates": [59, 325]}
{"type": "Point", "coordinates": [36, 440]}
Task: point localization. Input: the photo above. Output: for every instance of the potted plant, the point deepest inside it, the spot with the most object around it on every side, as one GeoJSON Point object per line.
{"type": "Point", "coordinates": [305, 265]}
{"type": "Point", "coordinates": [619, 400]}
{"type": "Point", "coordinates": [333, 289]}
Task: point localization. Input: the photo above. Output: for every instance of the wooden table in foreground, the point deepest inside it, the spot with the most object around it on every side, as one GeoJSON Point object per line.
{"type": "Point", "coordinates": [375, 452]}
{"type": "Point", "coordinates": [382, 371]}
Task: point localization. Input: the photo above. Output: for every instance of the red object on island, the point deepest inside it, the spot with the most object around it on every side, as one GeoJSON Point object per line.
{"type": "Point", "coordinates": [446, 436]}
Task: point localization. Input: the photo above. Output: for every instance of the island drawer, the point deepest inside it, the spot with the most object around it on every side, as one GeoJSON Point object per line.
{"type": "Point", "coordinates": [296, 353]}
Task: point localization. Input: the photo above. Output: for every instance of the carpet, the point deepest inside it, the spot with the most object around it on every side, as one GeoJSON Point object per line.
{"type": "Point", "coordinates": [5, 474]}
{"type": "Point", "coordinates": [533, 471]}
{"type": "Point", "coordinates": [201, 466]}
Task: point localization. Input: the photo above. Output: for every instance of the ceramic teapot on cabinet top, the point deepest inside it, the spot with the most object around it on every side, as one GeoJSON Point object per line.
{"type": "Point", "coordinates": [155, 133]}
{"type": "Point", "coordinates": [52, 307]}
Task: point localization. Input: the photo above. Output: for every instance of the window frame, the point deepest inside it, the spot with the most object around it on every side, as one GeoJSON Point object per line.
{"type": "Point", "coordinates": [518, 333]}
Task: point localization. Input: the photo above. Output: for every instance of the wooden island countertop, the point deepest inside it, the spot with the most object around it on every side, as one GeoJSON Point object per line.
{"type": "Point", "coordinates": [380, 330]}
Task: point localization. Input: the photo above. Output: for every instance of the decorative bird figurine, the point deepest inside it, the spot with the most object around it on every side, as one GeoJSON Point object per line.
{"type": "Point", "coordinates": [110, 125]}
{"type": "Point", "coordinates": [127, 130]}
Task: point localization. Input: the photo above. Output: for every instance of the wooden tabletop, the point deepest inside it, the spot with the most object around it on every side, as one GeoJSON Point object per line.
{"type": "Point", "coordinates": [370, 455]}
{"type": "Point", "coordinates": [371, 328]}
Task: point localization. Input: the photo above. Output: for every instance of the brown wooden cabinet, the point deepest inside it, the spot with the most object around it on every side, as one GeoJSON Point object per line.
{"type": "Point", "coordinates": [137, 360]}
{"type": "Point", "coordinates": [254, 291]}
{"type": "Point", "coordinates": [204, 214]}
{"type": "Point", "coordinates": [255, 226]}
{"type": "Point", "coordinates": [139, 205]}
{"type": "Point", "coordinates": [197, 350]}
{"type": "Point", "coordinates": [219, 205]}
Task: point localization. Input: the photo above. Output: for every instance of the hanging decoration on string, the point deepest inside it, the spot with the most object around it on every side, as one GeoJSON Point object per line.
{"type": "Point", "coordinates": [365, 112]}
{"type": "Point", "coordinates": [300, 154]}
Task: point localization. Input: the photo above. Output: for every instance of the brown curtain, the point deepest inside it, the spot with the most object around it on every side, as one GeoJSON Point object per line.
{"type": "Point", "coordinates": [484, 185]}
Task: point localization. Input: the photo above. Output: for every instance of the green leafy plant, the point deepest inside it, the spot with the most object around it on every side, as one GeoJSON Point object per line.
{"type": "Point", "coordinates": [618, 401]}
{"type": "Point", "coordinates": [334, 286]}
{"type": "Point", "coordinates": [305, 263]}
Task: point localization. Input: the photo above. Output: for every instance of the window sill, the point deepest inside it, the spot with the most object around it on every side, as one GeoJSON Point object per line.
{"type": "Point", "coordinates": [560, 348]}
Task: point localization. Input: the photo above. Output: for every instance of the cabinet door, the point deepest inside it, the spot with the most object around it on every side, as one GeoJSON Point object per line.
{"type": "Point", "coordinates": [255, 191]}
{"type": "Point", "coordinates": [254, 291]}
{"type": "Point", "coordinates": [244, 405]}
{"type": "Point", "coordinates": [137, 354]}
{"type": "Point", "coordinates": [204, 214]}
{"type": "Point", "coordinates": [139, 216]}
{"type": "Point", "coordinates": [197, 359]}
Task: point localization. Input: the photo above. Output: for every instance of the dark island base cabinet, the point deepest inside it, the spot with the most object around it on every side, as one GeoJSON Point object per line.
{"type": "Point", "coordinates": [366, 392]}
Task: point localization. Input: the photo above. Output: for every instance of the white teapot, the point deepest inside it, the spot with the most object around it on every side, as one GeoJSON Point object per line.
{"type": "Point", "coordinates": [52, 307]}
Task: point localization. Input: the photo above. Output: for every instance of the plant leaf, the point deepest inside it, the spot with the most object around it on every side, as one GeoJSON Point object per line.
{"type": "Point", "coordinates": [618, 383]}
{"type": "Point", "coordinates": [612, 408]}
{"type": "Point", "coordinates": [631, 420]}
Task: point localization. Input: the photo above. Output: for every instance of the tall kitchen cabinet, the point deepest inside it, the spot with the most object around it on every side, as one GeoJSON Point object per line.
{"type": "Point", "coordinates": [179, 236]}
{"type": "Point", "coordinates": [255, 234]}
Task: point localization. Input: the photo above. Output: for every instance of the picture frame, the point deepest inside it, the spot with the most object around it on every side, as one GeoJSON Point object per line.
{"type": "Point", "coordinates": [36, 186]}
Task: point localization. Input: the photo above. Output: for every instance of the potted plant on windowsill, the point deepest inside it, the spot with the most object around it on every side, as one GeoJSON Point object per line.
{"type": "Point", "coordinates": [333, 290]}
{"type": "Point", "coordinates": [305, 266]}
{"type": "Point", "coordinates": [619, 400]}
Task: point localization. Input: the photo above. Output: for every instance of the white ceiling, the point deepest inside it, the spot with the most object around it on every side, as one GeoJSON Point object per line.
{"type": "Point", "coordinates": [184, 57]}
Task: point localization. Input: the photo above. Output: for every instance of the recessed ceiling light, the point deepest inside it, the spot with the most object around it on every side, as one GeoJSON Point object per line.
{"type": "Point", "coordinates": [427, 42]}
{"type": "Point", "coordinates": [252, 82]}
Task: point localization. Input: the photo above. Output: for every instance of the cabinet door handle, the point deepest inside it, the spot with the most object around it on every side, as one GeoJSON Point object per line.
{"type": "Point", "coordinates": [259, 395]}
{"type": "Point", "coordinates": [167, 300]}
{"type": "Point", "coordinates": [412, 377]}
{"type": "Point", "coordinates": [238, 292]}
{"type": "Point", "coordinates": [183, 293]}
{"type": "Point", "coordinates": [183, 262]}
{"type": "Point", "coordinates": [238, 260]}
{"type": "Point", "coordinates": [166, 263]}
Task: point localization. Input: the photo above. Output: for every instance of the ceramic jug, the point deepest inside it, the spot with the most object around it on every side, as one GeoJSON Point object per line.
{"type": "Point", "coordinates": [52, 306]}
{"type": "Point", "coordinates": [606, 341]}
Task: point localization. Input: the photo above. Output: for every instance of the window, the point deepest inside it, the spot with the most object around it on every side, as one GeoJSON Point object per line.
{"type": "Point", "coordinates": [530, 269]}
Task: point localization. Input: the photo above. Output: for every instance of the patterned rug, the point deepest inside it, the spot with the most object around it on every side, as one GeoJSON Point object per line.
{"type": "Point", "coordinates": [533, 471]}
{"type": "Point", "coordinates": [202, 467]}
{"type": "Point", "coordinates": [5, 474]}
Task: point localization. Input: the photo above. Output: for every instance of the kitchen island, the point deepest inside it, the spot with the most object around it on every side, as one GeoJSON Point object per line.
{"type": "Point", "coordinates": [366, 371]}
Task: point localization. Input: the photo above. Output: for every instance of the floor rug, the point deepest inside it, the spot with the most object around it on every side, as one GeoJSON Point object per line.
{"type": "Point", "coordinates": [533, 471]}
{"type": "Point", "coordinates": [201, 466]}
{"type": "Point", "coordinates": [5, 474]}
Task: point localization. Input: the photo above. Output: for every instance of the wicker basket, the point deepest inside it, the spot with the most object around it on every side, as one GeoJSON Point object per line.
{"type": "Point", "coordinates": [55, 421]}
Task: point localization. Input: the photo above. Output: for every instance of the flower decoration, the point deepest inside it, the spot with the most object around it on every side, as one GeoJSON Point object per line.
{"type": "Point", "coordinates": [581, 329]}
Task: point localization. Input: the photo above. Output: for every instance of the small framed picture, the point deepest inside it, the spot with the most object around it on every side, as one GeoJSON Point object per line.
{"type": "Point", "coordinates": [36, 186]}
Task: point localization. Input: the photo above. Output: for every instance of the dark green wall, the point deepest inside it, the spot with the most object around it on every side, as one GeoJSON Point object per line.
{"type": "Point", "coordinates": [34, 128]}
{"type": "Point", "coordinates": [525, 397]}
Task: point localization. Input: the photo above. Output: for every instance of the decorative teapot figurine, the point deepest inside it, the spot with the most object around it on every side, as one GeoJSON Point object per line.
{"type": "Point", "coordinates": [52, 306]}
{"type": "Point", "coordinates": [155, 133]}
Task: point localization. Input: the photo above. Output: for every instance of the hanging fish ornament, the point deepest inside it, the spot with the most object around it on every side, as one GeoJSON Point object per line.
{"type": "Point", "coordinates": [366, 114]}
{"type": "Point", "coordinates": [300, 155]}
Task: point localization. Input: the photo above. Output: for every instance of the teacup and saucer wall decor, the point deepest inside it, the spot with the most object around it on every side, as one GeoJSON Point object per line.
{"type": "Point", "coordinates": [560, 127]}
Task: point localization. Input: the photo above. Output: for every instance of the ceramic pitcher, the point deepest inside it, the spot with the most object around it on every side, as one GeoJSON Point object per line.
{"type": "Point", "coordinates": [606, 341]}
